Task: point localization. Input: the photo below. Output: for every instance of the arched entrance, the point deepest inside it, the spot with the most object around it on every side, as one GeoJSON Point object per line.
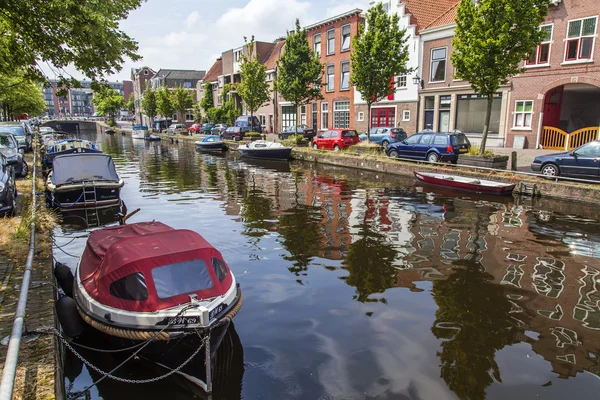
{"type": "Point", "coordinates": [571, 116]}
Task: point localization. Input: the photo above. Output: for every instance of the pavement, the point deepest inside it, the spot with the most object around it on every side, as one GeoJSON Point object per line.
{"type": "Point", "coordinates": [524, 156]}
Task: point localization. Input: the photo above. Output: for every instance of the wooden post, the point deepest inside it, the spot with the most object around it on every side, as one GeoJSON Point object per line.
{"type": "Point", "coordinates": [513, 161]}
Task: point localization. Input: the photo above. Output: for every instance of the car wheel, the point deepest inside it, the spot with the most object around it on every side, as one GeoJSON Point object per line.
{"type": "Point", "coordinates": [25, 170]}
{"type": "Point", "coordinates": [393, 154]}
{"type": "Point", "coordinates": [385, 143]}
{"type": "Point", "coordinates": [336, 148]}
{"type": "Point", "coordinates": [280, 137]}
{"type": "Point", "coordinates": [315, 146]}
{"type": "Point", "coordinates": [432, 157]}
{"type": "Point", "coordinates": [550, 170]}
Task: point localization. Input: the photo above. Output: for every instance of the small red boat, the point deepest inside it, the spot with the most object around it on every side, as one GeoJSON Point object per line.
{"type": "Point", "coordinates": [464, 183]}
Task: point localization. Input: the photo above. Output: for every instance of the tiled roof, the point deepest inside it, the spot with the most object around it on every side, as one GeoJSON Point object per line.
{"type": "Point", "coordinates": [214, 72]}
{"type": "Point", "coordinates": [445, 19]}
{"type": "Point", "coordinates": [424, 12]}
{"type": "Point", "coordinates": [180, 74]}
{"type": "Point", "coordinates": [271, 60]}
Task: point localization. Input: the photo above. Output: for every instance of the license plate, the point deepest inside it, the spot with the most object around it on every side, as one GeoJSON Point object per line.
{"type": "Point", "coordinates": [182, 320]}
{"type": "Point", "coordinates": [217, 310]}
{"type": "Point", "coordinates": [463, 150]}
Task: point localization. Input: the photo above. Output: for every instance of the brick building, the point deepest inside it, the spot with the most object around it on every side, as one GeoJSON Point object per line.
{"type": "Point", "coordinates": [140, 78]}
{"type": "Point", "coordinates": [559, 93]}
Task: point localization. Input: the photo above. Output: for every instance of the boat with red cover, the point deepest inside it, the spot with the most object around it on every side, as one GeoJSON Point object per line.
{"type": "Point", "coordinates": [464, 183]}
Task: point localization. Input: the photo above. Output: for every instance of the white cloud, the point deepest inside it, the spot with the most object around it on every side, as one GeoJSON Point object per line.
{"type": "Point", "coordinates": [337, 8]}
{"type": "Point", "coordinates": [192, 19]}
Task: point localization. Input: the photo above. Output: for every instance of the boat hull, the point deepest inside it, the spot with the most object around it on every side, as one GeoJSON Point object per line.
{"type": "Point", "coordinates": [212, 147]}
{"type": "Point", "coordinates": [73, 196]}
{"type": "Point", "coordinates": [500, 189]}
{"type": "Point", "coordinates": [267, 153]}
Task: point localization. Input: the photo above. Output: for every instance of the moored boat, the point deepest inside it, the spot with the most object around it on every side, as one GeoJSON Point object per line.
{"type": "Point", "coordinates": [211, 143]}
{"type": "Point", "coordinates": [262, 149]}
{"type": "Point", "coordinates": [139, 131]}
{"type": "Point", "coordinates": [83, 180]}
{"type": "Point", "coordinates": [110, 131]}
{"type": "Point", "coordinates": [464, 183]}
{"type": "Point", "coordinates": [67, 146]}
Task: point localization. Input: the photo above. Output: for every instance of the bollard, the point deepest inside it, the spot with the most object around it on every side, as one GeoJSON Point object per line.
{"type": "Point", "coordinates": [513, 161]}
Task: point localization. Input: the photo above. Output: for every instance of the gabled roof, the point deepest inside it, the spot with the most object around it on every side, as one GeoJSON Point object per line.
{"type": "Point", "coordinates": [271, 60]}
{"type": "Point", "coordinates": [424, 12]}
{"type": "Point", "coordinates": [180, 74]}
{"type": "Point", "coordinates": [446, 18]}
{"type": "Point", "coordinates": [214, 72]}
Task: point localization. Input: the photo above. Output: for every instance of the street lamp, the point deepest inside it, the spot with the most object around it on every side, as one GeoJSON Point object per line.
{"type": "Point", "coordinates": [416, 79]}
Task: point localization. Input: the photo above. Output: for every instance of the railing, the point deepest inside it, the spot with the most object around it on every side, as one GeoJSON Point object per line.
{"type": "Point", "coordinates": [557, 139]}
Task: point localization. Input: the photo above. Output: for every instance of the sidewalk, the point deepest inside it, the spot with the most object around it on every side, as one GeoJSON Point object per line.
{"type": "Point", "coordinates": [524, 156]}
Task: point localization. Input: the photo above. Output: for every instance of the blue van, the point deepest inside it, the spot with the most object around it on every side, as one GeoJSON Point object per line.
{"type": "Point", "coordinates": [244, 122]}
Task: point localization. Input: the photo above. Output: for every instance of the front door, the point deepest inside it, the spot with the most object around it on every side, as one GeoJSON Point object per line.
{"type": "Point", "coordinates": [586, 161]}
{"type": "Point", "coordinates": [444, 121]}
{"type": "Point", "coordinates": [429, 120]}
{"type": "Point", "coordinates": [314, 116]}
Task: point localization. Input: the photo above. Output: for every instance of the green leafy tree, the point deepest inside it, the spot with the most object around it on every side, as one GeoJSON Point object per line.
{"type": "Point", "coordinates": [108, 102]}
{"type": "Point", "coordinates": [254, 89]}
{"type": "Point", "coordinates": [490, 41]}
{"type": "Point", "coordinates": [197, 111]}
{"type": "Point", "coordinates": [131, 104]}
{"type": "Point", "coordinates": [299, 71]}
{"type": "Point", "coordinates": [380, 54]}
{"type": "Point", "coordinates": [19, 95]}
{"type": "Point", "coordinates": [182, 101]}
{"type": "Point", "coordinates": [164, 102]}
{"type": "Point", "coordinates": [149, 103]}
{"type": "Point", "coordinates": [84, 34]}
{"type": "Point", "coordinates": [207, 101]}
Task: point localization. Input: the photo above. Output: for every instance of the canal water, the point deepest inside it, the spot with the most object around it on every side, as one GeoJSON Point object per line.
{"type": "Point", "coordinates": [367, 286]}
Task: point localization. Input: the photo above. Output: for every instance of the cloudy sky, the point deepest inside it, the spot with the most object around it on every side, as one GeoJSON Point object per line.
{"type": "Point", "coordinates": [191, 34]}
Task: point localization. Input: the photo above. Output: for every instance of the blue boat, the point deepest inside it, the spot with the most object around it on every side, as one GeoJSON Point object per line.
{"type": "Point", "coordinates": [211, 143]}
{"type": "Point", "coordinates": [67, 146]}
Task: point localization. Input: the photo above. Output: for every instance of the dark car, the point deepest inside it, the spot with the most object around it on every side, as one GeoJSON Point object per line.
{"type": "Point", "coordinates": [20, 131]}
{"type": "Point", "coordinates": [8, 190]}
{"type": "Point", "coordinates": [303, 130]}
{"type": "Point", "coordinates": [583, 161]}
{"type": "Point", "coordinates": [235, 133]}
{"type": "Point", "coordinates": [206, 128]}
{"type": "Point", "coordinates": [218, 129]}
{"type": "Point", "coordinates": [385, 136]}
{"type": "Point", "coordinates": [14, 157]}
{"type": "Point", "coordinates": [431, 146]}
{"type": "Point", "coordinates": [336, 139]}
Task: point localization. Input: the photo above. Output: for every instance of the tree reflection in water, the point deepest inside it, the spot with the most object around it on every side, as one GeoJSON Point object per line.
{"type": "Point", "coordinates": [256, 212]}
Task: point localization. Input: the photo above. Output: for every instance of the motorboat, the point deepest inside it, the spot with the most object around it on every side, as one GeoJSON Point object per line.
{"type": "Point", "coordinates": [211, 143]}
{"type": "Point", "coordinates": [265, 150]}
{"type": "Point", "coordinates": [83, 180]}
{"type": "Point", "coordinates": [152, 138]}
{"type": "Point", "coordinates": [139, 131]}
{"type": "Point", "coordinates": [67, 146]}
{"type": "Point", "coordinates": [465, 183]}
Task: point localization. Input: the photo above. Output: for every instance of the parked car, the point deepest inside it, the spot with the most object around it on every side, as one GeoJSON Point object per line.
{"type": "Point", "coordinates": [431, 146]}
{"type": "Point", "coordinates": [206, 128]}
{"type": "Point", "coordinates": [303, 130]}
{"type": "Point", "coordinates": [8, 189]}
{"type": "Point", "coordinates": [195, 128]}
{"type": "Point", "coordinates": [218, 129]}
{"type": "Point", "coordinates": [20, 131]}
{"type": "Point", "coordinates": [245, 122]}
{"type": "Point", "coordinates": [14, 156]}
{"type": "Point", "coordinates": [583, 161]}
{"type": "Point", "coordinates": [176, 128]}
{"type": "Point", "coordinates": [335, 139]}
{"type": "Point", "coordinates": [235, 133]}
{"type": "Point", "coordinates": [385, 135]}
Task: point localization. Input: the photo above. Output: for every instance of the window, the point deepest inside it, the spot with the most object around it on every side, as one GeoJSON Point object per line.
{"type": "Point", "coordinates": [220, 269]}
{"type": "Point", "coordinates": [361, 116]}
{"type": "Point", "coordinates": [413, 139]}
{"type": "Point", "coordinates": [330, 42]}
{"type": "Point", "coordinates": [324, 115]}
{"type": "Point", "coordinates": [145, 72]}
{"type": "Point", "coordinates": [523, 114]}
{"type": "Point", "coordinates": [341, 114]}
{"type": "Point", "coordinates": [180, 278]}
{"type": "Point", "coordinates": [580, 39]}
{"type": "Point", "coordinates": [317, 45]}
{"type": "Point", "coordinates": [187, 84]}
{"type": "Point", "coordinates": [220, 81]}
{"type": "Point", "coordinates": [401, 81]}
{"type": "Point", "coordinates": [303, 115]}
{"type": "Point", "coordinates": [189, 117]}
{"type": "Point", "coordinates": [471, 110]}
{"type": "Point", "coordinates": [426, 139]}
{"type": "Point", "coordinates": [440, 140]}
{"type": "Point", "coordinates": [315, 112]}
{"type": "Point", "coordinates": [262, 119]}
{"type": "Point", "coordinates": [131, 287]}
{"type": "Point", "coordinates": [288, 116]}
{"type": "Point", "coordinates": [346, 37]}
{"type": "Point", "coordinates": [237, 55]}
{"type": "Point", "coordinates": [541, 54]}
{"type": "Point", "coordinates": [345, 76]}
{"type": "Point", "coordinates": [438, 65]}
{"type": "Point", "coordinates": [174, 117]}
{"type": "Point", "coordinates": [589, 150]}
{"type": "Point", "coordinates": [330, 76]}
{"type": "Point", "coordinates": [406, 115]}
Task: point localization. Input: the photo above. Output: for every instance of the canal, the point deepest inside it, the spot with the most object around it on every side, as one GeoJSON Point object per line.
{"type": "Point", "coordinates": [366, 286]}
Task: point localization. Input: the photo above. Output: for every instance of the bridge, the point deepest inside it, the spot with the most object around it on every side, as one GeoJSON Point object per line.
{"type": "Point", "coordinates": [70, 126]}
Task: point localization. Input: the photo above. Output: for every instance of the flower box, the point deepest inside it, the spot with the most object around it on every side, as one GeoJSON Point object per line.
{"type": "Point", "coordinates": [496, 162]}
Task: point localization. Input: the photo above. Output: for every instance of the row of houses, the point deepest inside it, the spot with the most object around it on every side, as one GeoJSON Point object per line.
{"type": "Point", "coordinates": [557, 95]}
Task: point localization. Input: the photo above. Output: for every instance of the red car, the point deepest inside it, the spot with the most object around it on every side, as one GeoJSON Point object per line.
{"type": "Point", "coordinates": [335, 139]}
{"type": "Point", "coordinates": [195, 128]}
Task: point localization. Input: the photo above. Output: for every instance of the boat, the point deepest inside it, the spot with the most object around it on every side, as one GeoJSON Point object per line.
{"type": "Point", "coordinates": [67, 146]}
{"type": "Point", "coordinates": [152, 138]}
{"type": "Point", "coordinates": [83, 180]}
{"type": "Point", "coordinates": [109, 131]}
{"type": "Point", "coordinates": [464, 183]}
{"type": "Point", "coordinates": [211, 143]}
{"type": "Point", "coordinates": [262, 149]}
{"type": "Point", "coordinates": [139, 131]}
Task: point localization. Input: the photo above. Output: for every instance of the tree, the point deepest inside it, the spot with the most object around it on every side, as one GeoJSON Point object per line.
{"type": "Point", "coordinates": [490, 41]}
{"type": "Point", "coordinates": [149, 103]}
{"type": "Point", "coordinates": [19, 95]}
{"type": "Point", "coordinates": [182, 101]}
{"type": "Point", "coordinates": [380, 54]}
{"type": "Point", "coordinates": [197, 111]}
{"type": "Point", "coordinates": [79, 33]}
{"type": "Point", "coordinates": [298, 71]}
{"type": "Point", "coordinates": [131, 104]}
{"type": "Point", "coordinates": [207, 101]}
{"type": "Point", "coordinates": [254, 89]}
{"type": "Point", "coordinates": [164, 102]}
{"type": "Point", "coordinates": [108, 102]}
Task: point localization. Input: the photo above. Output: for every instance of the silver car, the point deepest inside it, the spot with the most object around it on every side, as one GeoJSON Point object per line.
{"type": "Point", "coordinates": [218, 129]}
{"type": "Point", "coordinates": [14, 156]}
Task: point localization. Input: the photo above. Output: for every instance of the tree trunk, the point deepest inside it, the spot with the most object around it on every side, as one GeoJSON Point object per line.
{"type": "Point", "coordinates": [296, 132]}
{"type": "Point", "coordinates": [251, 121]}
{"type": "Point", "coordinates": [486, 127]}
{"type": "Point", "coordinates": [369, 121]}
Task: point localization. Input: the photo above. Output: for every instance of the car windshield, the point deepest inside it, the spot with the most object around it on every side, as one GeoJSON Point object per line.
{"type": "Point", "coordinates": [349, 133]}
{"type": "Point", "coordinates": [459, 139]}
{"type": "Point", "coordinates": [6, 142]}
{"type": "Point", "coordinates": [14, 129]}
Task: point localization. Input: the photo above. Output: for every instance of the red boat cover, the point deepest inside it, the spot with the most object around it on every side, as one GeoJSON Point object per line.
{"type": "Point", "coordinates": [136, 250]}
